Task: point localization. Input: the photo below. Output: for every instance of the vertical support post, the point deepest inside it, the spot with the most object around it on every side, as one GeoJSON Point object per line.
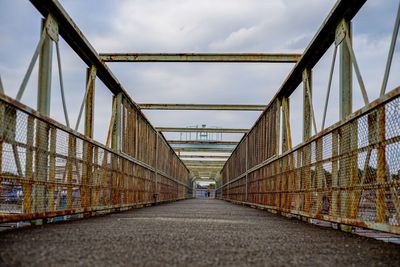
{"type": "Point", "coordinates": [307, 119]}
{"type": "Point", "coordinates": [247, 169]}
{"type": "Point", "coordinates": [345, 79]}
{"type": "Point", "coordinates": [104, 183]}
{"type": "Point", "coordinates": [116, 136]}
{"type": "Point", "coordinates": [43, 106]}
{"type": "Point", "coordinates": [307, 114]}
{"type": "Point", "coordinates": [27, 187]}
{"type": "Point", "coordinates": [381, 171]}
{"type": "Point", "coordinates": [353, 196]}
{"type": "Point", "coordinates": [298, 180]}
{"type": "Point", "coordinates": [116, 145]}
{"type": "Point", "coordinates": [319, 174]}
{"type": "Point", "coordinates": [278, 127]}
{"type": "Point", "coordinates": [89, 105]}
{"type": "Point", "coordinates": [44, 80]}
{"type": "Point", "coordinates": [70, 164]}
{"type": "Point", "coordinates": [96, 179]}
{"type": "Point", "coordinates": [335, 178]}
{"type": "Point", "coordinates": [286, 145]}
{"type": "Point", "coordinates": [52, 169]}
{"type": "Point", "coordinates": [275, 196]}
{"type": "Point", "coordinates": [345, 108]}
{"type": "Point", "coordinates": [156, 170]}
{"type": "Point", "coordinates": [286, 134]}
{"type": "Point", "coordinates": [87, 173]}
{"type": "Point", "coordinates": [137, 137]}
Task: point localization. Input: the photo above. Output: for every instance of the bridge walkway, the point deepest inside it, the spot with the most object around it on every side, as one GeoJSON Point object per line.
{"type": "Point", "coordinates": [195, 232]}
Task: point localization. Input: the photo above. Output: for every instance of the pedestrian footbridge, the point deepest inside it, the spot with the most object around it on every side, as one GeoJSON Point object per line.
{"type": "Point", "coordinates": [139, 197]}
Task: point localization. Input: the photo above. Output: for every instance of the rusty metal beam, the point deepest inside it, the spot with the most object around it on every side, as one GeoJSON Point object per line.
{"type": "Point", "coordinates": [210, 170]}
{"type": "Point", "coordinates": [217, 150]}
{"type": "Point", "coordinates": [202, 57]}
{"type": "Point", "coordinates": [204, 156]}
{"type": "Point", "coordinates": [89, 106]}
{"type": "Point", "coordinates": [42, 132]}
{"type": "Point", "coordinates": [204, 162]}
{"type": "Point", "coordinates": [201, 130]}
{"type": "Point", "coordinates": [205, 171]}
{"type": "Point", "coordinates": [206, 174]}
{"type": "Point", "coordinates": [233, 107]}
{"type": "Point", "coordinates": [199, 142]}
{"type": "Point", "coordinates": [201, 179]}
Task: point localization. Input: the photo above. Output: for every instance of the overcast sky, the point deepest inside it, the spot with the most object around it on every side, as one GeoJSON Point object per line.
{"type": "Point", "coordinates": [195, 26]}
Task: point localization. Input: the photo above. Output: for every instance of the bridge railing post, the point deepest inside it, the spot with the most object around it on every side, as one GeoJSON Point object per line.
{"type": "Point", "coordinates": [307, 118]}
{"type": "Point", "coordinates": [27, 185]}
{"type": "Point", "coordinates": [278, 127]}
{"type": "Point", "coordinates": [345, 133]}
{"type": "Point", "coordinates": [156, 190]}
{"type": "Point", "coordinates": [286, 146]}
{"type": "Point", "coordinates": [42, 130]}
{"type": "Point", "coordinates": [87, 174]}
{"type": "Point", "coordinates": [116, 146]}
{"type": "Point", "coordinates": [333, 208]}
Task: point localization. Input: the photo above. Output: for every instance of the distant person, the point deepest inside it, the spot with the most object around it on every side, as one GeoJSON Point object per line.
{"type": "Point", "coordinates": [205, 194]}
{"type": "Point", "coordinates": [208, 192]}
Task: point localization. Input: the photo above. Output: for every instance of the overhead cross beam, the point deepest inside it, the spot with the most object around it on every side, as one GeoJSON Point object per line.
{"type": "Point", "coordinates": [203, 157]}
{"type": "Point", "coordinates": [202, 57]}
{"type": "Point", "coordinates": [200, 142]}
{"type": "Point", "coordinates": [200, 179]}
{"type": "Point", "coordinates": [216, 150]}
{"type": "Point", "coordinates": [204, 162]}
{"type": "Point", "coordinates": [237, 107]}
{"type": "Point", "coordinates": [201, 130]}
{"type": "Point", "coordinates": [204, 146]}
{"type": "Point", "coordinates": [209, 170]}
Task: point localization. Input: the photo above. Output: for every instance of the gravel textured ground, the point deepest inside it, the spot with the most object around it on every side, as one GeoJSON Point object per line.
{"type": "Point", "coordinates": [193, 232]}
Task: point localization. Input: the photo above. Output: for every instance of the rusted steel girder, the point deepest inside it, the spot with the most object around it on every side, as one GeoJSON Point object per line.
{"type": "Point", "coordinates": [202, 130]}
{"type": "Point", "coordinates": [204, 168]}
{"type": "Point", "coordinates": [201, 107]}
{"type": "Point", "coordinates": [204, 162]}
{"type": "Point", "coordinates": [219, 150]}
{"type": "Point", "coordinates": [203, 157]}
{"type": "Point", "coordinates": [202, 57]}
{"type": "Point", "coordinates": [199, 142]}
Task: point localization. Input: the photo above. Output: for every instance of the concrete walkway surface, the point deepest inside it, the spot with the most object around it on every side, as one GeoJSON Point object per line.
{"type": "Point", "coordinates": [195, 232]}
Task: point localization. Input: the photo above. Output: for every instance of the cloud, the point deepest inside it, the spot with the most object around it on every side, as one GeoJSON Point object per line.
{"type": "Point", "coordinates": [195, 26]}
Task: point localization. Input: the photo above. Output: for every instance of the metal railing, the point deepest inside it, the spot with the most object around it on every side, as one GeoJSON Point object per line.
{"type": "Point", "coordinates": [48, 169]}
{"type": "Point", "coordinates": [79, 175]}
{"type": "Point", "coordinates": [347, 173]}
